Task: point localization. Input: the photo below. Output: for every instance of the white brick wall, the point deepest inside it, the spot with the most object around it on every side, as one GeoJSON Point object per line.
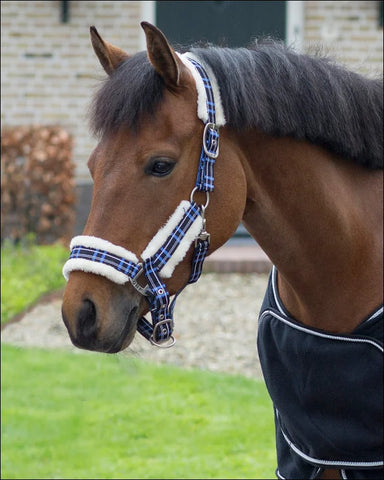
{"type": "Point", "coordinates": [347, 30]}
{"type": "Point", "coordinates": [49, 70]}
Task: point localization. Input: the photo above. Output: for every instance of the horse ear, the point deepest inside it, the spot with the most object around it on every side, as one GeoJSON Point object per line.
{"type": "Point", "coordinates": [162, 56]}
{"type": "Point", "coordinates": [109, 55]}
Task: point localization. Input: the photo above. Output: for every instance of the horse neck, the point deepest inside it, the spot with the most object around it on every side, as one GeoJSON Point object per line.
{"type": "Point", "coordinates": [319, 219]}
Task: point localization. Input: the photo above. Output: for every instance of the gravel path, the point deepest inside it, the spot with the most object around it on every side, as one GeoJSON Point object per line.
{"type": "Point", "coordinates": [215, 326]}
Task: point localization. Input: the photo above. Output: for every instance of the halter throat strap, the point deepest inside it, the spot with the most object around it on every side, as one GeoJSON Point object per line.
{"type": "Point", "coordinates": [171, 243]}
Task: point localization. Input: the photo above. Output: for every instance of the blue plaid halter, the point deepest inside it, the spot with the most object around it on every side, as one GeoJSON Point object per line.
{"type": "Point", "coordinates": [210, 149]}
{"type": "Point", "coordinates": [159, 332]}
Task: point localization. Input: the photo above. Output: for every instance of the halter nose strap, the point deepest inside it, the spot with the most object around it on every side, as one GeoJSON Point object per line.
{"type": "Point", "coordinates": [169, 246]}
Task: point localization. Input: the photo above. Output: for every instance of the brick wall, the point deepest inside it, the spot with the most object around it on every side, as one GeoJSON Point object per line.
{"type": "Point", "coordinates": [350, 31]}
{"type": "Point", "coordinates": [49, 70]}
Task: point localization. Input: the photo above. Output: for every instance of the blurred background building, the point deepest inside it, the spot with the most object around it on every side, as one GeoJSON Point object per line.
{"type": "Point", "coordinates": [49, 71]}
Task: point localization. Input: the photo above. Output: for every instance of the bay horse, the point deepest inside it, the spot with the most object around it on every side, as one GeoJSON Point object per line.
{"type": "Point", "coordinates": [193, 143]}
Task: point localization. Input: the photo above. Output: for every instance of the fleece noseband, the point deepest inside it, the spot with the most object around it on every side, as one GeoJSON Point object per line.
{"type": "Point", "coordinates": [171, 243]}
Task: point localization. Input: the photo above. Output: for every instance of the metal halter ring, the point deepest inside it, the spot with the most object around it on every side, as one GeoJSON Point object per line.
{"type": "Point", "coordinates": [203, 207]}
{"type": "Point", "coordinates": [162, 345]}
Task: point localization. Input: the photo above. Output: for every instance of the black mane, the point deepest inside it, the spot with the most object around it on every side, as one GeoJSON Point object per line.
{"type": "Point", "coordinates": [267, 86]}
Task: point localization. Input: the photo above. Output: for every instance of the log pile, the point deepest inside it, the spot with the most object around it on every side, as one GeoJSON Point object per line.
{"type": "Point", "coordinates": [37, 184]}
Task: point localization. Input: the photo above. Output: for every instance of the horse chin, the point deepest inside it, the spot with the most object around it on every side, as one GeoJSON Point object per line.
{"type": "Point", "coordinates": [127, 334]}
{"type": "Point", "coordinates": [115, 344]}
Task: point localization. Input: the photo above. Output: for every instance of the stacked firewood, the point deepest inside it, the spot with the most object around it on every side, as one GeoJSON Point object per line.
{"type": "Point", "coordinates": [37, 184]}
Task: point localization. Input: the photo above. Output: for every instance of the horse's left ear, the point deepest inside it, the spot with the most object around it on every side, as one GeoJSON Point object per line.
{"type": "Point", "coordinates": [162, 56]}
{"type": "Point", "coordinates": [109, 56]}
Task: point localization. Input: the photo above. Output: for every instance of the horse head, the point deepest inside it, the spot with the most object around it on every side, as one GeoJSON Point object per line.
{"type": "Point", "coordinates": [143, 168]}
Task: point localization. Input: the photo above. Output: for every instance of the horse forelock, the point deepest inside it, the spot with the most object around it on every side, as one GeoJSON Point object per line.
{"type": "Point", "coordinates": [267, 86]}
{"type": "Point", "coordinates": [132, 90]}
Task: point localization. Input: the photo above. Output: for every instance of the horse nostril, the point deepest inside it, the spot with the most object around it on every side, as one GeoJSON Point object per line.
{"type": "Point", "coordinates": [87, 324]}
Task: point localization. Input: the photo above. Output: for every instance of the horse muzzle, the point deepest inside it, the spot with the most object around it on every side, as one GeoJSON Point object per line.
{"type": "Point", "coordinates": [101, 317]}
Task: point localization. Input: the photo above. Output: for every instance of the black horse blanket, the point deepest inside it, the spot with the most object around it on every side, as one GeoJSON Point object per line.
{"type": "Point", "coordinates": [327, 392]}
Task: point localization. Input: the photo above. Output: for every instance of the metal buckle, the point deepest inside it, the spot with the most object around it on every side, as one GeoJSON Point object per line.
{"type": "Point", "coordinates": [171, 339]}
{"type": "Point", "coordinates": [143, 290]}
{"type": "Point", "coordinates": [210, 126]}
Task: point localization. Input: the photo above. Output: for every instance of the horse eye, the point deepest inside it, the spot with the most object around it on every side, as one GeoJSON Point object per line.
{"type": "Point", "coordinates": [159, 167]}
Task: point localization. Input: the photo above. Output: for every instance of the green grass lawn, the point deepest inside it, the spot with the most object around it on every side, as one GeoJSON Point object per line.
{"type": "Point", "coordinates": [27, 272]}
{"type": "Point", "coordinates": [80, 416]}
{"type": "Point", "coordinates": [67, 415]}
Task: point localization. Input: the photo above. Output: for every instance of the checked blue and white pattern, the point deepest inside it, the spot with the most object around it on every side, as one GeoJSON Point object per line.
{"type": "Point", "coordinates": [201, 250]}
{"type": "Point", "coordinates": [165, 252]}
{"type": "Point", "coordinates": [159, 301]}
{"type": "Point", "coordinates": [208, 90]}
{"type": "Point", "coordinates": [162, 309]}
{"type": "Point", "coordinates": [205, 176]}
{"type": "Point", "coordinates": [102, 256]}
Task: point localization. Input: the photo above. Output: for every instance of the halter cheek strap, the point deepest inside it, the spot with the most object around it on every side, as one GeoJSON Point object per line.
{"type": "Point", "coordinates": [210, 111]}
{"type": "Point", "coordinates": [171, 243]}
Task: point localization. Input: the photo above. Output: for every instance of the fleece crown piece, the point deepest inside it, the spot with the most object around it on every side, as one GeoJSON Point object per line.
{"type": "Point", "coordinates": [202, 111]}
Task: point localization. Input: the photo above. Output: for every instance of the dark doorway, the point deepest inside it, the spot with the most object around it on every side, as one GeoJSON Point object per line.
{"type": "Point", "coordinates": [226, 23]}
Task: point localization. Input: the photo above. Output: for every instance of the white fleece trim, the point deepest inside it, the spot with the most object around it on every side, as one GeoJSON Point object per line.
{"type": "Point", "coordinates": [161, 236]}
{"type": "Point", "coordinates": [201, 94]}
{"type": "Point", "coordinates": [89, 266]}
{"type": "Point", "coordinates": [164, 232]}
{"type": "Point", "coordinates": [100, 244]}
{"type": "Point", "coordinates": [182, 249]}
{"type": "Point", "coordinates": [153, 246]}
